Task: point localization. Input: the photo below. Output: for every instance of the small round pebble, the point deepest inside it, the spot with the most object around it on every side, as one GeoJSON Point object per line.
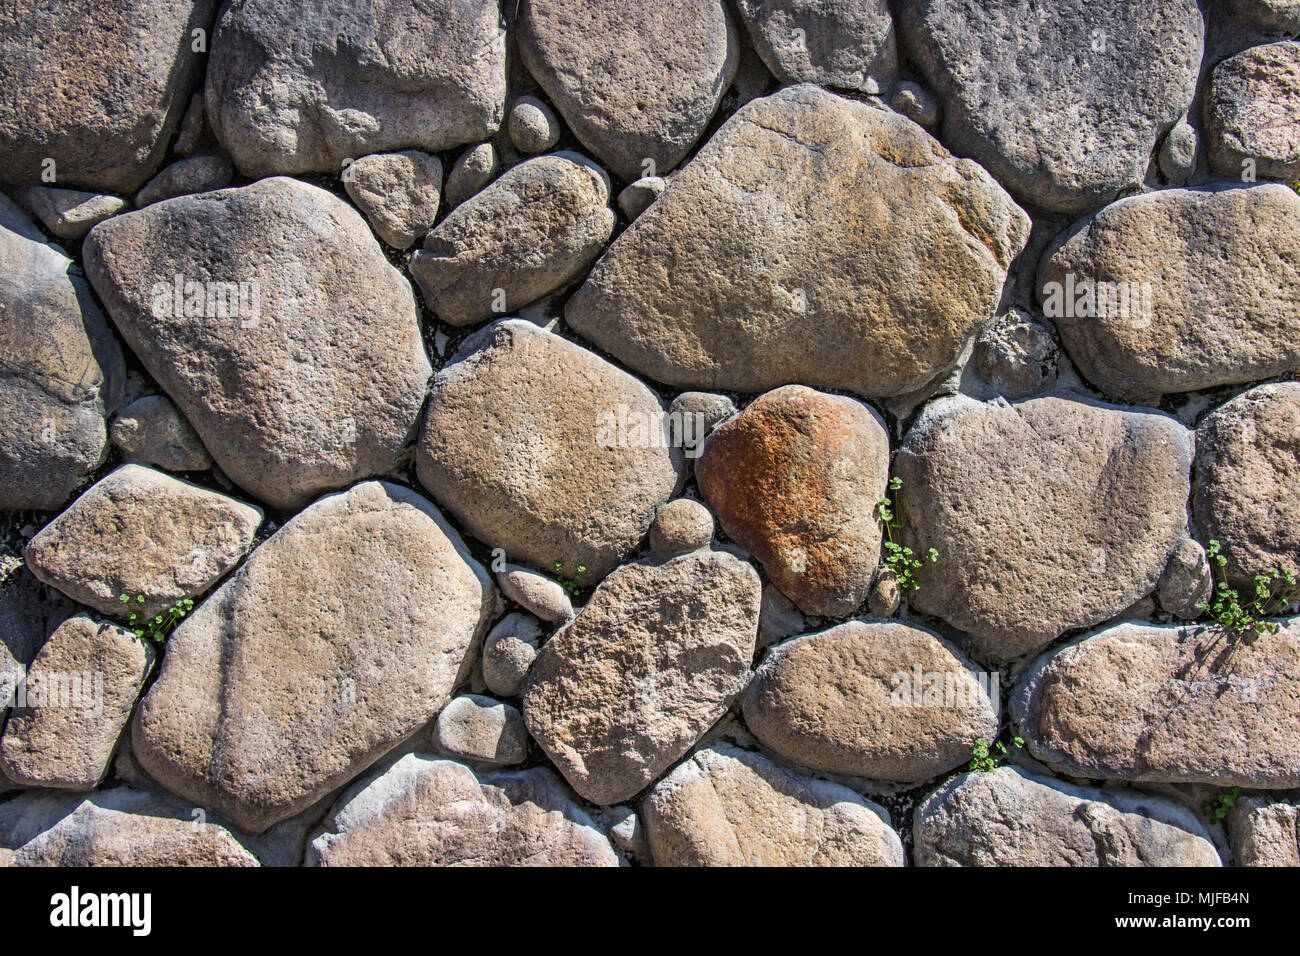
{"type": "Point", "coordinates": [532, 125]}
{"type": "Point", "coordinates": [1178, 153]}
{"type": "Point", "coordinates": [152, 430]}
{"type": "Point", "coordinates": [637, 197]}
{"type": "Point", "coordinates": [535, 593]}
{"type": "Point", "coordinates": [680, 527]}
{"type": "Point", "coordinates": [698, 413]}
{"type": "Point", "coordinates": [471, 171]}
{"type": "Point", "coordinates": [886, 596]}
{"type": "Point", "coordinates": [917, 104]}
{"type": "Point", "coordinates": [509, 652]}
{"type": "Point", "coordinates": [483, 730]}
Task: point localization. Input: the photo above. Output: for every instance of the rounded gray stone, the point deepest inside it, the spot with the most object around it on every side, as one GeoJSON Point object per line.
{"type": "Point", "coordinates": [532, 126]}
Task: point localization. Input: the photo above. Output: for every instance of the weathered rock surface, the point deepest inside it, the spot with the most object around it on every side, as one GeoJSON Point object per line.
{"type": "Point", "coordinates": [61, 370]}
{"type": "Point", "coordinates": [700, 413]}
{"type": "Point", "coordinates": [729, 807]}
{"type": "Point", "coordinates": [636, 82]}
{"type": "Point", "coordinates": [195, 174]}
{"type": "Point", "coordinates": [1253, 113]}
{"type": "Point", "coordinates": [533, 127]}
{"type": "Point", "coordinates": [1011, 818]}
{"type": "Point", "coordinates": [119, 827]}
{"type": "Point", "coordinates": [76, 701]}
{"type": "Point", "coordinates": [1179, 152]}
{"type": "Point", "coordinates": [681, 526]}
{"type": "Point", "coordinates": [471, 171]}
{"type": "Point", "coordinates": [428, 812]}
{"type": "Point", "coordinates": [1186, 581]}
{"type": "Point", "coordinates": [302, 669]}
{"type": "Point", "coordinates": [529, 233]}
{"type": "Point", "coordinates": [296, 86]}
{"type": "Point", "coordinates": [398, 192]}
{"type": "Point", "coordinates": [1264, 833]}
{"type": "Point", "coordinates": [115, 81]}
{"type": "Point", "coordinates": [916, 103]}
{"type": "Point", "coordinates": [814, 239]}
{"type": "Point", "coordinates": [880, 700]}
{"type": "Point", "coordinates": [481, 730]}
{"type": "Point", "coordinates": [794, 479]}
{"type": "Point", "coordinates": [524, 443]}
{"type": "Point", "coordinates": [535, 593]}
{"type": "Point", "coordinates": [1165, 704]}
{"type": "Point", "coordinates": [1062, 101]}
{"type": "Point", "coordinates": [152, 430]}
{"type": "Point", "coordinates": [297, 354]}
{"type": "Point", "coordinates": [1015, 355]}
{"type": "Point", "coordinates": [29, 613]}
{"type": "Point", "coordinates": [842, 43]}
{"type": "Point", "coordinates": [1049, 514]}
{"type": "Point", "coordinates": [68, 213]}
{"type": "Point", "coordinates": [1246, 492]}
{"type": "Point", "coordinates": [1200, 288]}
{"type": "Point", "coordinates": [646, 668]}
{"type": "Point", "coordinates": [1282, 15]}
{"type": "Point", "coordinates": [508, 653]}
{"type": "Point", "coordinates": [145, 534]}
{"type": "Point", "coordinates": [636, 197]}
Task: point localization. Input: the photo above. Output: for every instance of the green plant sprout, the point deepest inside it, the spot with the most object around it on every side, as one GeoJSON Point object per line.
{"type": "Point", "coordinates": [569, 584]}
{"type": "Point", "coordinates": [901, 561]}
{"type": "Point", "coordinates": [155, 629]}
{"type": "Point", "coordinates": [984, 760]}
{"type": "Point", "coordinates": [1218, 808]}
{"type": "Point", "coordinates": [1226, 609]}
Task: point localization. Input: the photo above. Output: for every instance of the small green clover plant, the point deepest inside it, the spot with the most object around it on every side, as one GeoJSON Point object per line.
{"type": "Point", "coordinates": [984, 760]}
{"type": "Point", "coordinates": [1218, 808]}
{"type": "Point", "coordinates": [155, 629]}
{"type": "Point", "coordinates": [1276, 590]}
{"type": "Point", "coordinates": [569, 584]}
{"type": "Point", "coordinates": [901, 561]}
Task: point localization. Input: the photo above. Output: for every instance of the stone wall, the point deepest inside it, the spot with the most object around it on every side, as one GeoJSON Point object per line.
{"type": "Point", "coordinates": [686, 432]}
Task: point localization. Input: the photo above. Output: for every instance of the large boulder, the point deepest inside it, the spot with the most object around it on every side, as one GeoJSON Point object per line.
{"type": "Point", "coordinates": [1007, 817]}
{"type": "Point", "coordinates": [1179, 290]}
{"type": "Point", "coordinates": [144, 534]}
{"type": "Point", "coordinates": [1049, 514]}
{"type": "Point", "coordinates": [645, 669]}
{"type": "Point", "coordinates": [76, 700]}
{"type": "Point", "coordinates": [118, 827]}
{"type": "Point", "coordinates": [1246, 487]}
{"type": "Point", "coordinates": [729, 807]}
{"type": "Point", "coordinates": [813, 239]}
{"type": "Point", "coordinates": [428, 812]}
{"type": "Point", "coordinates": [881, 700]}
{"type": "Point", "coordinates": [841, 43]}
{"type": "Point", "coordinates": [1166, 704]}
{"type": "Point", "coordinates": [1252, 113]}
{"type": "Point", "coordinates": [271, 317]}
{"type": "Point", "coordinates": [297, 86]}
{"type": "Point", "coordinates": [61, 370]}
{"type": "Point", "coordinates": [529, 233]}
{"type": "Point", "coordinates": [546, 450]}
{"type": "Point", "coordinates": [1062, 100]}
{"type": "Point", "coordinates": [303, 669]}
{"type": "Point", "coordinates": [115, 79]}
{"type": "Point", "coordinates": [795, 479]}
{"type": "Point", "coordinates": [636, 82]}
